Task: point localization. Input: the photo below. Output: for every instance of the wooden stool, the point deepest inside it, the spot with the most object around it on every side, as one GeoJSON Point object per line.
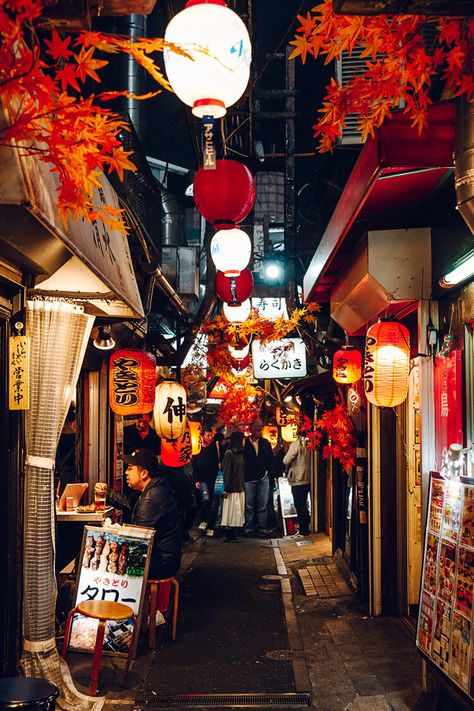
{"type": "Point", "coordinates": [103, 611]}
{"type": "Point", "coordinates": [158, 594]}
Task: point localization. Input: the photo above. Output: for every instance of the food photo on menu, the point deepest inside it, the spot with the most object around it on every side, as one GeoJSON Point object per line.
{"type": "Point", "coordinates": [452, 510]}
{"type": "Point", "coordinates": [436, 508]}
{"type": "Point", "coordinates": [429, 578]}
{"type": "Point", "coordinates": [440, 649]}
{"type": "Point", "coordinates": [460, 662]}
{"type": "Point", "coordinates": [446, 571]}
{"type": "Point", "coordinates": [465, 582]}
{"type": "Point", "coordinates": [467, 525]}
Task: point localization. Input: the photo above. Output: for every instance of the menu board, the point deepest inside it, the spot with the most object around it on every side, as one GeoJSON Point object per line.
{"type": "Point", "coordinates": [445, 632]}
{"type": "Point", "coordinates": [113, 566]}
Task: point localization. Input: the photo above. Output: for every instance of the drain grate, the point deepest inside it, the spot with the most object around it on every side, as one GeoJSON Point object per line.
{"type": "Point", "coordinates": [285, 700]}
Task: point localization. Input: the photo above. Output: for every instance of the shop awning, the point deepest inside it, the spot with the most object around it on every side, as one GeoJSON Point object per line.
{"type": "Point", "coordinates": [90, 260]}
{"type": "Point", "coordinates": [394, 173]}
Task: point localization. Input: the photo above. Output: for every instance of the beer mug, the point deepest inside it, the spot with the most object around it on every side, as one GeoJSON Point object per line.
{"type": "Point", "coordinates": [100, 492]}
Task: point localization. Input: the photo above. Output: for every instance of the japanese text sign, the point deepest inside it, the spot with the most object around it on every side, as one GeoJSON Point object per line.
{"type": "Point", "coordinates": [279, 359]}
{"type": "Point", "coordinates": [18, 373]}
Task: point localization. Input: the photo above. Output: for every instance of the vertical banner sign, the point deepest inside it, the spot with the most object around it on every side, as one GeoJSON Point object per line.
{"type": "Point", "coordinates": [448, 402]}
{"type": "Point", "coordinates": [19, 373]}
{"type": "Point", "coordinates": [445, 631]}
{"type": "Point", "coordinates": [132, 377]}
{"type": "Point", "coordinates": [208, 143]}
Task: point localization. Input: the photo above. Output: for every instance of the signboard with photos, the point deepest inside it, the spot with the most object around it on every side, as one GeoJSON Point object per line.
{"type": "Point", "coordinates": [113, 566]}
{"type": "Point", "coordinates": [285, 358]}
{"type": "Point", "coordinates": [445, 632]}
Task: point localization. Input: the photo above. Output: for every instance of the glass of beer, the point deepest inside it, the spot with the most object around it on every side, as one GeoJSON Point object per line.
{"type": "Point", "coordinates": [100, 491]}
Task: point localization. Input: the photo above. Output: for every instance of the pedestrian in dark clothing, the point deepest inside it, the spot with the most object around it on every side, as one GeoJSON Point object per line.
{"type": "Point", "coordinates": [205, 468]}
{"type": "Point", "coordinates": [156, 508]}
{"type": "Point", "coordinates": [140, 435]}
{"type": "Point", "coordinates": [233, 515]}
{"type": "Point", "coordinates": [258, 459]}
{"type": "Point", "coordinates": [182, 486]}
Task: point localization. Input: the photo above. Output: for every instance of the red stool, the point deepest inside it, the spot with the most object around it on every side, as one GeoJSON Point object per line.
{"type": "Point", "coordinates": [158, 597]}
{"type": "Point", "coordinates": [101, 610]}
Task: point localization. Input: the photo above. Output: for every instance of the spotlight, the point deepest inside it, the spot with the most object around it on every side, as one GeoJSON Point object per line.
{"type": "Point", "coordinates": [288, 398]}
{"type": "Point", "coordinates": [104, 340]}
{"type": "Point", "coordinates": [273, 271]}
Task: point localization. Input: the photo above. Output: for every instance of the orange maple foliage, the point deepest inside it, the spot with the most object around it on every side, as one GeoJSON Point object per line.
{"type": "Point", "coordinates": [401, 64]}
{"type": "Point", "coordinates": [42, 86]}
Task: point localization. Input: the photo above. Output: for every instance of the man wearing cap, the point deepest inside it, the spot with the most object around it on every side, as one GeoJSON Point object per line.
{"type": "Point", "coordinates": [156, 508]}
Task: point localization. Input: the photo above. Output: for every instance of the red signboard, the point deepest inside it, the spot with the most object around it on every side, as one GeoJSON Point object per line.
{"type": "Point", "coordinates": [448, 402]}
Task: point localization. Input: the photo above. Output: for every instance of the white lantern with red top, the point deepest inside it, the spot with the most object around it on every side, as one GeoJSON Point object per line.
{"type": "Point", "coordinates": [231, 250]}
{"type": "Point", "coordinates": [216, 71]}
{"type": "Point", "coordinates": [237, 314]}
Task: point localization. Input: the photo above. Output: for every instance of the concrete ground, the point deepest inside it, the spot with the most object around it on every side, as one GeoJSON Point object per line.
{"type": "Point", "coordinates": [273, 616]}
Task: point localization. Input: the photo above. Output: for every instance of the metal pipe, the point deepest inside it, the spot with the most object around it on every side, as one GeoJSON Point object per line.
{"type": "Point", "coordinates": [464, 160]}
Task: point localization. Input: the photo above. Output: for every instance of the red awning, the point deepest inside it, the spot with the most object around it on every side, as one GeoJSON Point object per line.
{"type": "Point", "coordinates": [395, 171]}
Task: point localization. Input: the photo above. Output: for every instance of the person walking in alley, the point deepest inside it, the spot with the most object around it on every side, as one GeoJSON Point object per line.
{"type": "Point", "coordinates": [233, 505]}
{"type": "Point", "coordinates": [205, 466]}
{"type": "Point", "coordinates": [298, 461]}
{"type": "Point", "coordinates": [258, 467]}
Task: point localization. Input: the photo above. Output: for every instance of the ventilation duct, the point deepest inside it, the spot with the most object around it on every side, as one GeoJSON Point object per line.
{"type": "Point", "coordinates": [464, 160]}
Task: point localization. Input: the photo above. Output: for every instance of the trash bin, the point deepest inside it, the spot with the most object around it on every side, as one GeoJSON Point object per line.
{"type": "Point", "coordinates": [28, 693]}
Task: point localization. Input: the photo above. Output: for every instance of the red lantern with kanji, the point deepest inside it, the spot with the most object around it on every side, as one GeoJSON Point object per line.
{"type": "Point", "coordinates": [234, 290]}
{"type": "Point", "coordinates": [283, 417]}
{"type": "Point", "coordinates": [177, 452]}
{"type": "Point", "coordinates": [169, 412]}
{"type": "Point", "coordinates": [132, 379]}
{"type": "Point", "coordinates": [347, 365]}
{"type": "Point", "coordinates": [270, 432]}
{"type": "Point", "coordinates": [387, 363]}
{"type": "Point", "coordinates": [225, 194]}
{"type": "Point", "coordinates": [196, 437]}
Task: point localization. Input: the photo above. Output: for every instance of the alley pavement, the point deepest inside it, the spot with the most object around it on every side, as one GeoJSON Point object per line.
{"type": "Point", "coordinates": [276, 618]}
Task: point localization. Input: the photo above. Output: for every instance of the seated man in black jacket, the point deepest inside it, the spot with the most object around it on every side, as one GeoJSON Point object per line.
{"type": "Point", "coordinates": [156, 508]}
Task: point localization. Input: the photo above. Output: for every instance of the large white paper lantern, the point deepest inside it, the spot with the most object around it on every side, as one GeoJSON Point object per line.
{"type": "Point", "coordinates": [230, 251]}
{"type": "Point", "coordinates": [237, 314]}
{"type": "Point", "coordinates": [217, 74]}
{"type": "Point", "coordinates": [169, 412]}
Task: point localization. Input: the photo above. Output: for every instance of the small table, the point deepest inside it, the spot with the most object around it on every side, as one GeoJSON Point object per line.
{"type": "Point", "coordinates": [27, 693]}
{"type": "Point", "coordinates": [70, 526]}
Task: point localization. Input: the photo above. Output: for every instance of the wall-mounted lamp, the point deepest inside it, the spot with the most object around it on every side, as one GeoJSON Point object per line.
{"type": "Point", "coordinates": [288, 398]}
{"type": "Point", "coordinates": [104, 340]}
{"type": "Point", "coordinates": [458, 274]}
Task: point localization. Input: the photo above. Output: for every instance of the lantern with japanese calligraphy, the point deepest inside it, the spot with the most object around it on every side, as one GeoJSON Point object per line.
{"type": "Point", "coordinates": [226, 194]}
{"type": "Point", "coordinates": [177, 452]}
{"type": "Point", "coordinates": [213, 71]}
{"type": "Point", "coordinates": [169, 412]}
{"type": "Point", "coordinates": [347, 365]}
{"type": "Point", "coordinates": [282, 417]}
{"type": "Point", "coordinates": [196, 437]}
{"type": "Point", "coordinates": [132, 378]}
{"type": "Point", "coordinates": [270, 432]}
{"type": "Point", "coordinates": [289, 433]}
{"type": "Point", "coordinates": [387, 362]}
{"type": "Point", "coordinates": [234, 290]}
{"type": "Point", "coordinates": [230, 251]}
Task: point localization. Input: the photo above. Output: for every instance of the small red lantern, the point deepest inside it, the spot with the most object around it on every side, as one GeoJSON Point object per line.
{"type": "Point", "coordinates": [387, 363]}
{"type": "Point", "coordinates": [347, 365]}
{"type": "Point", "coordinates": [132, 378]}
{"type": "Point", "coordinates": [240, 364]}
{"type": "Point", "coordinates": [234, 290]}
{"type": "Point", "coordinates": [177, 452]}
{"type": "Point", "coordinates": [196, 437]}
{"type": "Point", "coordinates": [270, 432]}
{"type": "Point", "coordinates": [225, 194]}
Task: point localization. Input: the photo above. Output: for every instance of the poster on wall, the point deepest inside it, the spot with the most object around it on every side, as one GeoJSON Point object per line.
{"type": "Point", "coordinates": [445, 633]}
{"type": "Point", "coordinates": [113, 566]}
{"type": "Point", "coordinates": [448, 402]}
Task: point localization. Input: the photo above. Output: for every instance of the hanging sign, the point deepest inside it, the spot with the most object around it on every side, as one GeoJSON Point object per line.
{"type": "Point", "coordinates": [19, 373]}
{"type": "Point", "coordinates": [208, 143]}
{"type": "Point", "coordinates": [271, 307]}
{"type": "Point", "coordinates": [448, 402]}
{"type": "Point", "coordinates": [279, 359]}
{"type": "Point", "coordinates": [132, 382]}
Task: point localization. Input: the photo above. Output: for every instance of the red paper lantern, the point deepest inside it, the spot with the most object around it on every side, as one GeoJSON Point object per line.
{"type": "Point", "coordinates": [132, 378]}
{"type": "Point", "coordinates": [234, 290]}
{"type": "Point", "coordinates": [270, 432]}
{"type": "Point", "coordinates": [347, 365]}
{"type": "Point", "coordinates": [196, 437]}
{"type": "Point", "coordinates": [177, 452]}
{"type": "Point", "coordinates": [240, 364]}
{"type": "Point", "coordinates": [387, 363]}
{"type": "Point", "coordinates": [225, 194]}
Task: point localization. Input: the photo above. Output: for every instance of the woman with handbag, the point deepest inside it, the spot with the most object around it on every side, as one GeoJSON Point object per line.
{"type": "Point", "coordinates": [233, 509]}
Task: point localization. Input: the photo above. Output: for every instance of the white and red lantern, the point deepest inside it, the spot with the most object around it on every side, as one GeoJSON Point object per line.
{"type": "Point", "coordinates": [177, 452]}
{"type": "Point", "coordinates": [226, 194]}
{"type": "Point", "coordinates": [132, 379]}
{"type": "Point", "coordinates": [347, 365]}
{"type": "Point", "coordinates": [387, 363]}
{"type": "Point", "coordinates": [216, 71]}
{"type": "Point", "coordinates": [234, 290]}
{"type": "Point", "coordinates": [237, 314]}
{"type": "Point", "coordinates": [231, 250]}
{"type": "Point", "coordinates": [196, 437]}
{"type": "Point", "coordinates": [169, 412]}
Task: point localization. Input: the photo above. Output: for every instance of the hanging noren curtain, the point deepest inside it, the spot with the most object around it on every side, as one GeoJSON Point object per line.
{"type": "Point", "coordinates": [58, 332]}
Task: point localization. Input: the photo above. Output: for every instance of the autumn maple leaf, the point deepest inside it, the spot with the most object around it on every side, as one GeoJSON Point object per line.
{"type": "Point", "coordinates": [86, 65]}
{"type": "Point", "coordinates": [307, 24]}
{"type": "Point", "coordinates": [302, 48]}
{"type": "Point", "coordinates": [58, 48]}
{"type": "Point", "coordinates": [68, 76]}
{"type": "Point", "coordinates": [119, 161]}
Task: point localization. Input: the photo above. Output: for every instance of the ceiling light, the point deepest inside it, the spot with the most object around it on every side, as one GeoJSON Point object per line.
{"type": "Point", "coordinates": [459, 273]}
{"type": "Point", "coordinates": [288, 398]}
{"type": "Point", "coordinates": [104, 340]}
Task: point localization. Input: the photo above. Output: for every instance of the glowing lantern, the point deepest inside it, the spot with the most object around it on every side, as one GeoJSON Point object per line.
{"type": "Point", "coordinates": [387, 361]}
{"type": "Point", "coordinates": [239, 353]}
{"type": "Point", "coordinates": [241, 364]}
{"type": "Point", "coordinates": [234, 290]}
{"type": "Point", "coordinates": [132, 378]}
{"type": "Point", "coordinates": [230, 251]}
{"type": "Point", "coordinates": [289, 433]}
{"type": "Point", "coordinates": [347, 365]}
{"type": "Point", "coordinates": [177, 452]}
{"type": "Point", "coordinates": [214, 78]}
{"type": "Point", "coordinates": [237, 314]}
{"type": "Point", "coordinates": [225, 194]}
{"type": "Point", "coordinates": [196, 437]}
{"type": "Point", "coordinates": [282, 417]}
{"type": "Point", "coordinates": [169, 413]}
{"type": "Point", "coordinates": [270, 432]}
